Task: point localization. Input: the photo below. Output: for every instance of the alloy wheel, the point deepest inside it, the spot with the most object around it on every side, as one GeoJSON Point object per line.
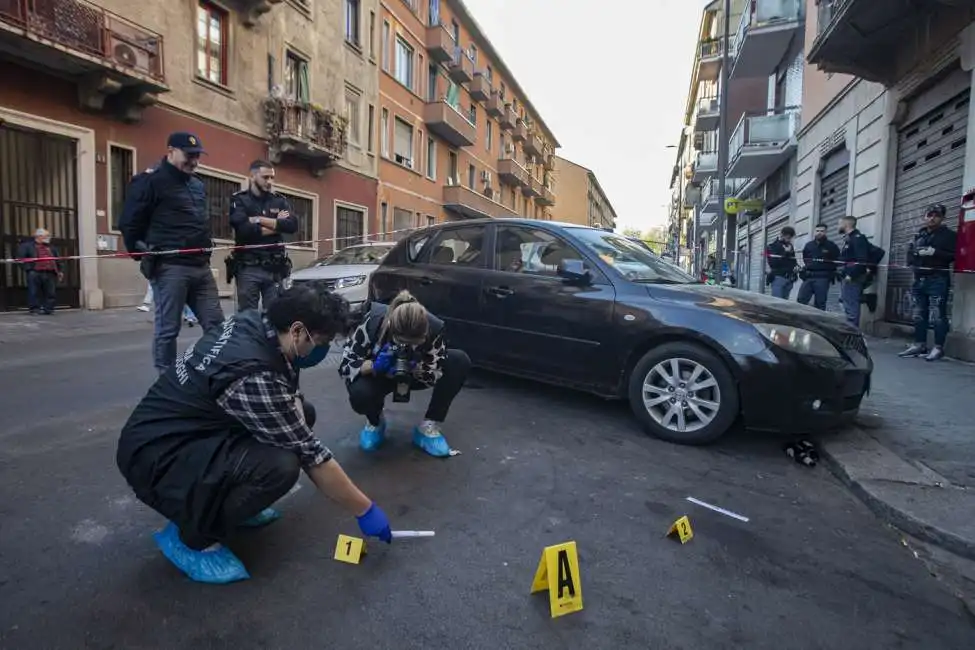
{"type": "Point", "coordinates": [681, 395]}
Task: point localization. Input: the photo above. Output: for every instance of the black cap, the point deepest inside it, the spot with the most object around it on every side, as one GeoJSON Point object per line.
{"type": "Point", "coordinates": [188, 142]}
{"type": "Point", "coordinates": [935, 208]}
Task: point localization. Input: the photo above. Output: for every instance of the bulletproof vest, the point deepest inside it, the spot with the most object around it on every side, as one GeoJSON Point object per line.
{"type": "Point", "coordinates": [377, 314]}
{"type": "Point", "coordinates": [182, 403]}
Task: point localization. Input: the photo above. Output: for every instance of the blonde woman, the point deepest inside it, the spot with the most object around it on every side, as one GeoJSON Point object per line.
{"type": "Point", "coordinates": [402, 329]}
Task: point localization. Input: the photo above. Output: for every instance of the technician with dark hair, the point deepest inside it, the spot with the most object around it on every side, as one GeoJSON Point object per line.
{"type": "Point", "coordinates": [223, 433]}
{"type": "Point", "coordinates": [259, 217]}
{"type": "Point", "coordinates": [819, 257]}
{"type": "Point", "coordinates": [781, 257]}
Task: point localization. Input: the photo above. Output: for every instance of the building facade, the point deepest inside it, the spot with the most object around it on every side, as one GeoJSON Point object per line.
{"type": "Point", "coordinates": [91, 91]}
{"type": "Point", "coordinates": [581, 198]}
{"type": "Point", "coordinates": [458, 137]}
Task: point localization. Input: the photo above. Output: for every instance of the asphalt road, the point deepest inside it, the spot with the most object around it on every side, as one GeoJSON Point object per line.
{"type": "Point", "coordinates": [811, 569]}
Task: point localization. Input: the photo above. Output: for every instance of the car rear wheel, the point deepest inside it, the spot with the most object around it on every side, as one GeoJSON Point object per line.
{"type": "Point", "coordinates": [683, 393]}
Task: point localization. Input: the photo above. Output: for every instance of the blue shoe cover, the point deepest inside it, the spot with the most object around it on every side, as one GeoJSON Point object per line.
{"type": "Point", "coordinates": [433, 445]}
{"type": "Point", "coordinates": [215, 566]}
{"type": "Point", "coordinates": [371, 438]}
{"type": "Point", "coordinates": [263, 518]}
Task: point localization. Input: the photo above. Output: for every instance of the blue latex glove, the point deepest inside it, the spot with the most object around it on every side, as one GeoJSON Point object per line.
{"type": "Point", "coordinates": [375, 524]}
{"type": "Point", "coordinates": [384, 361]}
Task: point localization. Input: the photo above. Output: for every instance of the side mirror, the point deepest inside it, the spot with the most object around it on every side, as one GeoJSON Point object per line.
{"type": "Point", "coordinates": [574, 271]}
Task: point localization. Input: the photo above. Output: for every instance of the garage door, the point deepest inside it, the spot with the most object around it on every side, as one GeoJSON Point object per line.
{"type": "Point", "coordinates": [930, 169]}
{"type": "Point", "coordinates": [756, 274]}
{"type": "Point", "coordinates": [832, 208]}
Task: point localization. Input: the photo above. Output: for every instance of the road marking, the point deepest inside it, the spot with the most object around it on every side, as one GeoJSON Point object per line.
{"type": "Point", "coordinates": [727, 513]}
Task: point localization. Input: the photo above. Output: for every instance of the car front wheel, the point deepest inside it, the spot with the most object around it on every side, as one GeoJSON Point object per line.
{"type": "Point", "coordinates": [683, 393]}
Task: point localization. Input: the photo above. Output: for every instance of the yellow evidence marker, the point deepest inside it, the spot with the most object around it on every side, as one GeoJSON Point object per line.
{"type": "Point", "coordinates": [682, 528]}
{"type": "Point", "coordinates": [558, 572]}
{"type": "Point", "coordinates": [349, 549]}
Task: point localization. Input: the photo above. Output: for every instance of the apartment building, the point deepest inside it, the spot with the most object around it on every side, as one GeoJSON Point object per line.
{"type": "Point", "coordinates": [91, 91]}
{"type": "Point", "coordinates": [458, 137]}
{"type": "Point", "coordinates": [888, 129]}
{"type": "Point", "coordinates": [581, 198]}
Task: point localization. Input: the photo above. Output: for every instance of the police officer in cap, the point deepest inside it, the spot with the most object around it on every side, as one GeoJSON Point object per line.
{"type": "Point", "coordinates": [259, 218]}
{"type": "Point", "coordinates": [223, 433]}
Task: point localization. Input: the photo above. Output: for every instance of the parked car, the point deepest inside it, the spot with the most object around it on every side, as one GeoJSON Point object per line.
{"type": "Point", "coordinates": [692, 359]}
{"type": "Point", "coordinates": [347, 271]}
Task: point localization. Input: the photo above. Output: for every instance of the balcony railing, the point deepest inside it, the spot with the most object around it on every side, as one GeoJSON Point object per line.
{"type": "Point", "coordinates": [508, 117]}
{"type": "Point", "coordinates": [449, 123]}
{"type": "Point", "coordinates": [469, 203]}
{"type": "Point", "coordinates": [461, 67]}
{"type": "Point", "coordinates": [480, 87]}
{"type": "Point", "coordinates": [708, 114]}
{"type": "Point", "coordinates": [495, 105]}
{"type": "Point", "coordinates": [710, 55]}
{"type": "Point", "coordinates": [705, 166]}
{"type": "Point", "coordinates": [765, 33]}
{"type": "Point", "coordinates": [711, 48]}
{"type": "Point", "coordinates": [827, 11]}
{"type": "Point", "coordinates": [512, 172]}
{"type": "Point", "coordinates": [547, 196]}
{"type": "Point", "coordinates": [534, 145]}
{"type": "Point", "coordinates": [520, 134]}
{"type": "Point", "coordinates": [759, 143]}
{"type": "Point", "coordinates": [709, 192]}
{"type": "Point", "coordinates": [90, 30]}
{"type": "Point", "coordinates": [440, 43]}
{"type": "Point", "coordinates": [305, 130]}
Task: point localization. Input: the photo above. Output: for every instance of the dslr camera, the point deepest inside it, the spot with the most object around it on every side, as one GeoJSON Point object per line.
{"type": "Point", "coordinates": [402, 373]}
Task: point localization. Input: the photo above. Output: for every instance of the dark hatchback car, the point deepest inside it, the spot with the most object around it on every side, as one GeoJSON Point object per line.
{"type": "Point", "coordinates": [591, 310]}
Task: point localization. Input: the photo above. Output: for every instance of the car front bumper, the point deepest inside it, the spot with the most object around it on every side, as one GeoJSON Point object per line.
{"type": "Point", "coordinates": [789, 393]}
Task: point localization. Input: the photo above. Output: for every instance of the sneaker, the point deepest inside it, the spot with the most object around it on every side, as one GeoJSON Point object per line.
{"type": "Point", "coordinates": [937, 353]}
{"type": "Point", "coordinates": [372, 437]}
{"type": "Point", "coordinates": [427, 436]}
{"type": "Point", "coordinates": [915, 350]}
{"type": "Point", "coordinates": [143, 307]}
{"type": "Point", "coordinates": [261, 519]}
{"type": "Point", "coordinates": [215, 565]}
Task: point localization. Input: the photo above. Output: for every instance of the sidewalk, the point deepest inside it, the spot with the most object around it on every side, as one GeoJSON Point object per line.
{"type": "Point", "coordinates": [912, 457]}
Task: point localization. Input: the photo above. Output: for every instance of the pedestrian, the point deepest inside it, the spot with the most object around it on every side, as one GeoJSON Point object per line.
{"type": "Point", "coordinates": [166, 210]}
{"type": "Point", "coordinates": [781, 256]}
{"type": "Point", "coordinates": [403, 331]}
{"type": "Point", "coordinates": [260, 217]}
{"type": "Point", "coordinates": [931, 255]}
{"type": "Point", "coordinates": [853, 273]}
{"type": "Point", "coordinates": [43, 274]}
{"type": "Point", "coordinates": [188, 316]}
{"type": "Point", "coordinates": [819, 257]}
{"type": "Point", "coordinates": [223, 433]}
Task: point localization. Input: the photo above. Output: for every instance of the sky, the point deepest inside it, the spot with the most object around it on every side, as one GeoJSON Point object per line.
{"type": "Point", "coordinates": [573, 60]}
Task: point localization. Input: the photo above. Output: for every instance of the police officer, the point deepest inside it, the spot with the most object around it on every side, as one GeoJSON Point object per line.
{"type": "Point", "coordinates": [819, 257]}
{"type": "Point", "coordinates": [166, 210]}
{"type": "Point", "coordinates": [781, 257]}
{"type": "Point", "coordinates": [259, 217]}
{"type": "Point", "coordinates": [931, 254]}
{"type": "Point", "coordinates": [854, 271]}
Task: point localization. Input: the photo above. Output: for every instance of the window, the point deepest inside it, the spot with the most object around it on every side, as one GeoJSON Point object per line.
{"type": "Point", "coordinates": [211, 39]}
{"type": "Point", "coordinates": [455, 30]}
{"type": "Point", "coordinates": [385, 46]}
{"type": "Point", "coordinates": [372, 34]}
{"type": "Point", "coordinates": [431, 159]}
{"type": "Point", "coordinates": [416, 246]}
{"type": "Point", "coordinates": [432, 75]}
{"type": "Point", "coordinates": [404, 63]}
{"type": "Point", "coordinates": [403, 143]}
{"type": "Point", "coordinates": [472, 114]}
{"type": "Point", "coordinates": [349, 227]}
{"type": "Point", "coordinates": [461, 246]}
{"type": "Point", "coordinates": [303, 209]}
{"type": "Point", "coordinates": [526, 250]}
{"type": "Point", "coordinates": [489, 140]}
{"type": "Point", "coordinates": [402, 223]}
{"type": "Point", "coordinates": [384, 133]}
{"type": "Point", "coordinates": [296, 82]}
{"type": "Point", "coordinates": [218, 191]}
{"type": "Point", "coordinates": [472, 54]}
{"type": "Point", "coordinates": [121, 161]}
{"type": "Point", "coordinates": [419, 78]}
{"type": "Point", "coordinates": [383, 218]}
{"type": "Point", "coordinates": [489, 74]}
{"type": "Point", "coordinates": [352, 22]}
{"type": "Point", "coordinates": [471, 176]}
{"type": "Point", "coordinates": [370, 135]}
{"type": "Point", "coordinates": [431, 220]}
{"type": "Point", "coordinates": [419, 149]}
{"type": "Point", "coordinates": [501, 91]}
{"type": "Point", "coordinates": [352, 110]}
{"type": "Point", "coordinates": [452, 171]}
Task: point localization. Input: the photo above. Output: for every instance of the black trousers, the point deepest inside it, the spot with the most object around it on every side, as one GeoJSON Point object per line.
{"type": "Point", "coordinates": [367, 393]}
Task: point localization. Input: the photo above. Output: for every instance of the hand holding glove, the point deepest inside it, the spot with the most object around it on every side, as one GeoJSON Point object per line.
{"type": "Point", "coordinates": [373, 523]}
{"type": "Point", "coordinates": [384, 361]}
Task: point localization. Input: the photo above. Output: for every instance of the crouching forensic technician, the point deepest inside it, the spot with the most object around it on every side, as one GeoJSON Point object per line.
{"type": "Point", "coordinates": [399, 348]}
{"type": "Point", "coordinates": [223, 433]}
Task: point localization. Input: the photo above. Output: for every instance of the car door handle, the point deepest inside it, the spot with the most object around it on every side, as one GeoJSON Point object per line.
{"type": "Point", "coordinates": [425, 281]}
{"type": "Point", "coordinates": [499, 292]}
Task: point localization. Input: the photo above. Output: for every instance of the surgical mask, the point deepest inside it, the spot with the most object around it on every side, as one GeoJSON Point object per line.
{"type": "Point", "coordinates": [313, 358]}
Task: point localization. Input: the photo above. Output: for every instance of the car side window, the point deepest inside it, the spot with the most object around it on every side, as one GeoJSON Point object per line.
{"type": "Point", "coordinates": [415, 245]}
{"type": "Point", "coordinates": [459, 247]}
{"type": "Point", "coordinates": [531, 251]}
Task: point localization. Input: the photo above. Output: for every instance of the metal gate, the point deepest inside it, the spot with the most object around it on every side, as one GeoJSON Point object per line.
{"type": "Point", "coordinates": [349, 229]}
{"type": "Point", "coordinates": [38, 189]}
{"type": "Point", "coordinates": [756, 271]}
{"type": "Point", "coordinates": [832, 208]}
{"type": "Point", "coordinates": [930, 169]}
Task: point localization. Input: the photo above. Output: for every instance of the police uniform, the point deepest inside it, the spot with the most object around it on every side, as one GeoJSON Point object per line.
{"type": "Point", "coordinates": [259, 271]}
{"type": "Point", "coordinates": [819, 271]}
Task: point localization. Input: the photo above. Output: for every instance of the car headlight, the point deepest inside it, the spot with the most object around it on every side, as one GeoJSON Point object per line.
{"type": "Point", "coordinates": [351, 281]}
{"type": "Point", "coordinates": [287, 283]}
{"type": "Point", "coordinates": [800, 341]}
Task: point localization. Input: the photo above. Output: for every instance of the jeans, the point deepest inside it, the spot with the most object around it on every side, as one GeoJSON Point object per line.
{"type": "Point", "coordinates": [782, 287]}
{"type": "Point", "coordinates": [816, 289]}
{"type": "Point", "coordinates": [850, 293]}
{"type": "Point", "coordinates": [931, 292]}
{"type": "Point", "coordinates": [42, 290]}
{"type": "Point", "coordinates": [187, 312]}
{"type": "Point", "coordinates": [367, 393]}
{"type": "Point", "coordinates": [175, 286]}
{"type": "Point", "coordinates": [255, 284]}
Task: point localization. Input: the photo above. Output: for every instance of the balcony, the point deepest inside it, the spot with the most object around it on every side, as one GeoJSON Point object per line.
{"type": "Point", "coordinates": [445, 121]}
{"type": "Point", "coordinates": [535, 146]}
{"type": "Point", "coordinates": [705, 166]}
{"type": "Point", "coordinates": [709, 59]}
{"type": "Point", "coordinates": [511, 173]}
{"type": "Point", "coordinates": [305, 131]}
{"type": "Point", "coordinates": [440, 44]}
{"type": "Point", "coordinates": [709, 192]}
{"type": "Point", "coordinates": [480, 88]}
{"type": "Point", "coordinates": [880, 42]}
{"type": "Point", "coordinates": [708, 114]}
{"type": "Point", "coordinates": [495, 105]}
{"type": "Point", "coordinates": [531, 188]}
{"type": "Point", "coordinates": [507, 118]}
{"type": "Point", "coordinates": [766, 34]}
{"type": "Point", "coordinates": [549, 162]}
{"type": "Point", "coordinates": [254, 9]}
{"type": "Point", "coordinates": [460, 68]}
{"type": "Point", "coordinates": [546, 197]}
{"type": "Point", "coordinates": [761, 143]}
{"type": "Point", "coordinates": [469, 204]}
{"type": "Point", "coordinates": [117, 63]}
{"type": "Point", "coordinates": [520, 134]}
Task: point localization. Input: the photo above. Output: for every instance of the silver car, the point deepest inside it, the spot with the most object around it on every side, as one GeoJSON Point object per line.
{"type": "Point", "coordinates": [347, 271]}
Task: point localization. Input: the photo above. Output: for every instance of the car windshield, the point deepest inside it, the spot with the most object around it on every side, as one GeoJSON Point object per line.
{"type": "Point", "coordinates": [356, 255]}
{"type": "Point", "coordinates": [632, 260]}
